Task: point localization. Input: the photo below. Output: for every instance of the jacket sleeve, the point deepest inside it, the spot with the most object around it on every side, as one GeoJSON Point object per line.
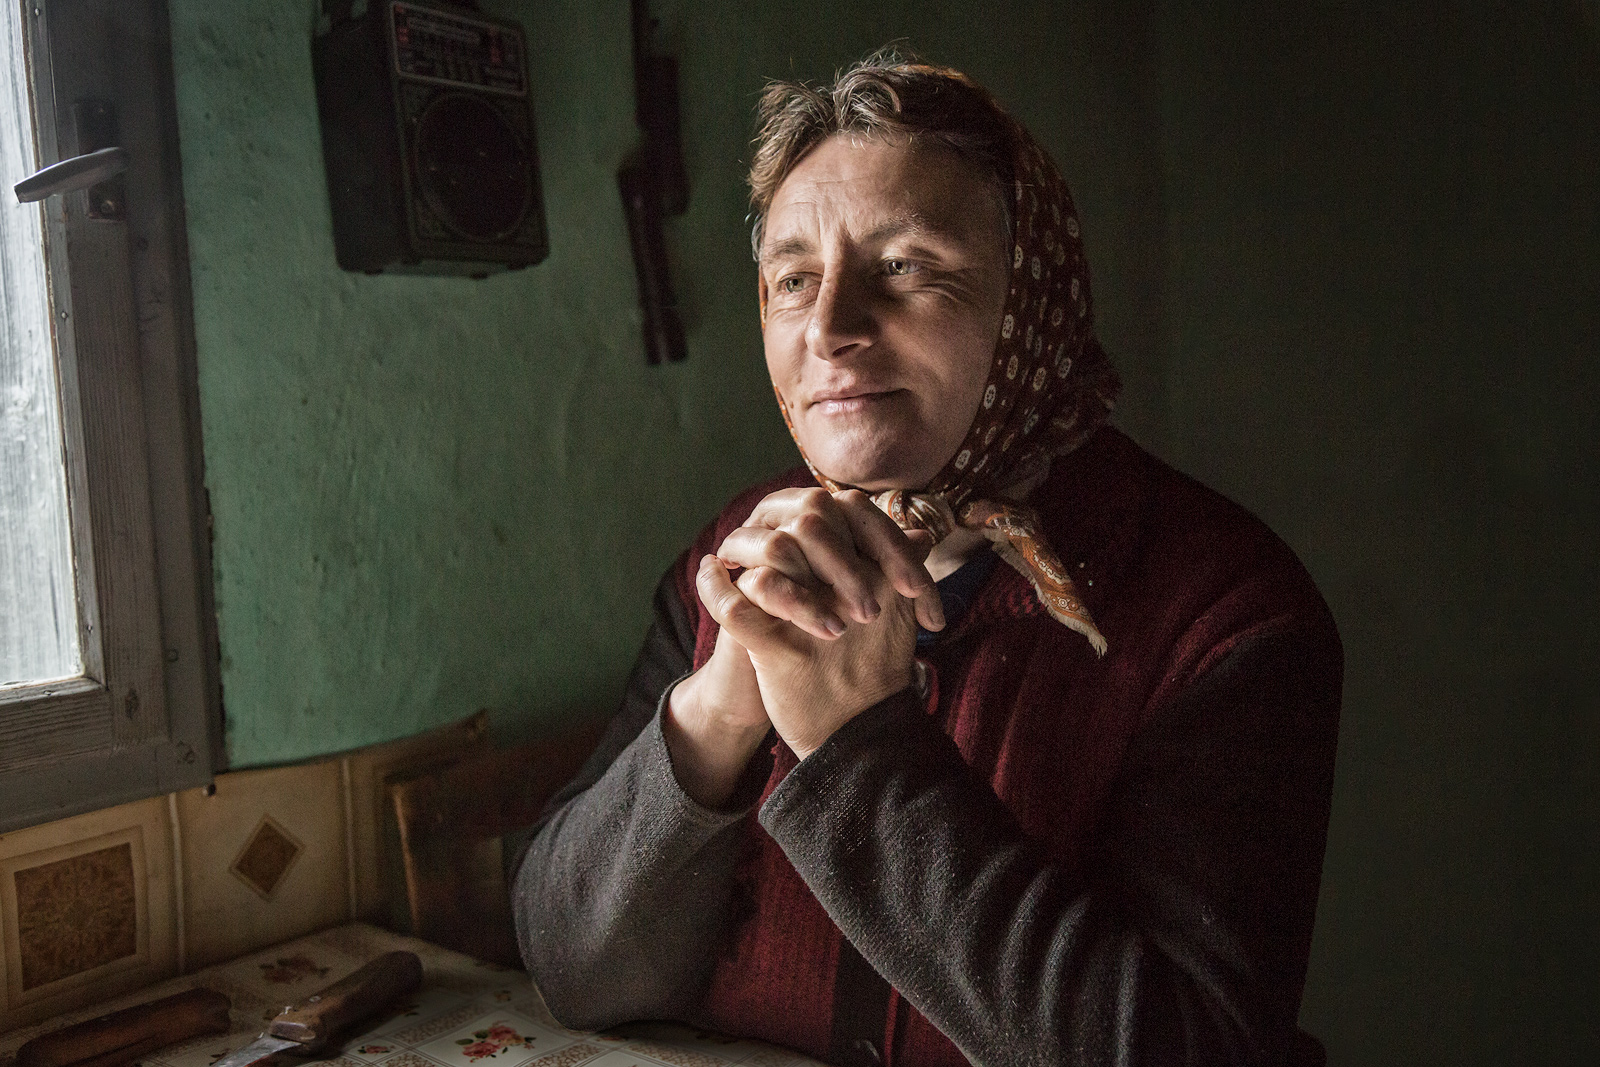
{"type": "Point", "coordinates": [1181, 936]}
{"type": "Point", "coordinates": [622, 891]}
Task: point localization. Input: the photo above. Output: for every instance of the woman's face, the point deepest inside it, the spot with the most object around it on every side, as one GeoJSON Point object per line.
{"type": "Point", "coordinates": [885, 270]}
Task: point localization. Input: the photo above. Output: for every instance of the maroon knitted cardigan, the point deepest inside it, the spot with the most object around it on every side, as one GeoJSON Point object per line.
{"type": "Point", "coordinates": [1176, 575]}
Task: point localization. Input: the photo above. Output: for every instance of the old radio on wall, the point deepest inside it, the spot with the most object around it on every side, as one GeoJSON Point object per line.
{"type": "Point", "coordinates": [428, 139]}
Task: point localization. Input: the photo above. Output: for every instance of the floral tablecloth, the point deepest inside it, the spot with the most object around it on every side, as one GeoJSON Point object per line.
{"type": "Point", "coordinates": [467, 1014]}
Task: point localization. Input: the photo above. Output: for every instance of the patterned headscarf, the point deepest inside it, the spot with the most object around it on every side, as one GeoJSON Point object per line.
{"type": "Point", "coordinates": [1050, 387]}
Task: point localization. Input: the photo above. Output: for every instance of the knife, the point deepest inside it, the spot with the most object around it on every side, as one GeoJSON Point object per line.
{"type": "Point", "coordinates": [124, 1036]}
{"type": "Point", "coordinates": [306, 1028]}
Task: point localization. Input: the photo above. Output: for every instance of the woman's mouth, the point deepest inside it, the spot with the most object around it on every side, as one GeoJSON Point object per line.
{"type": "Point", "coordinates": [849, 401]}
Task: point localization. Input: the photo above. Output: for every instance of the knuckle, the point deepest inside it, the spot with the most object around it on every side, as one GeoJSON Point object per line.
{"type": "Point", "coordinates": [852, 498]}
{"type": "Point", "coordinates": [762, 581]}
{"type": "Point", "coordinates": [771, 504]}
{"type": "Point", "coordinates": [783, 547]}
{"type": "Point", "coordinates": [769, 587]}
{"type": "Point", "coordinates": [810, 525]}
{"type": "Point", "coordinates": [732, 603]}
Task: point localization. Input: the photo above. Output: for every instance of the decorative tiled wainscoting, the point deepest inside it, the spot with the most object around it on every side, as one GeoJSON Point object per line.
{"type": "Point", "coordinates": [114, 900]}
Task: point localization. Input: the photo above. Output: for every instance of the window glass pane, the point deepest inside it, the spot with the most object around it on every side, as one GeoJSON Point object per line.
{"type": "Point", "coordinates": [38, 605]}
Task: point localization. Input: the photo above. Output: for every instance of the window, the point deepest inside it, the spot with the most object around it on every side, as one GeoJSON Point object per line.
{"type": "Point", "coordinates": [38, 618]}
{"type": "Point", "coordinates": [108, 686]}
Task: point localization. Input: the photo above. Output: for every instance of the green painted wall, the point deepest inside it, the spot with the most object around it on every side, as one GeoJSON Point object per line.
{"type": "Point", "coordinates": [1384, 297]}
{"type": "Point", "coordinates": [437, 495]}
{"type": "Point", "coordinates": [430, 495]}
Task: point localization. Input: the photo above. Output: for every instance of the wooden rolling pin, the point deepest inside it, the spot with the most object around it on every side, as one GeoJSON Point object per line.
{"type": "Point", "coordinates": [123, 1036]}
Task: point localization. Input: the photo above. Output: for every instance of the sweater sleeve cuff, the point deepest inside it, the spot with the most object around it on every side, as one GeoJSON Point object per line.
{"type": "Point", "coordinates": [897, 728]}
{"type": "Point", "coordinates": [746, 793]}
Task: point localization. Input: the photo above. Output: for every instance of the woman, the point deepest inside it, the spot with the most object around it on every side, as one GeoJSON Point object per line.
{"type": "Point", "coordinates": [1067, 809]}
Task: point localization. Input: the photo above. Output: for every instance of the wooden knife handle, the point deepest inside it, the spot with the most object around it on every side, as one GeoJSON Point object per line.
{"type": "Point", "coordinates": [352, 998]}
{"type": "Point", "coordinates": [124, 1036]}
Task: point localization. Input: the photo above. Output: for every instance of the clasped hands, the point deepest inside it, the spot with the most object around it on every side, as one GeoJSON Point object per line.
{"type": "Point", "coordinates": [818, 596]}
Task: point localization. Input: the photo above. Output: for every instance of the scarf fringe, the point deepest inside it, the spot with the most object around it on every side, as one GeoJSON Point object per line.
{"type": "Point", "coordinates": [1078, 621]}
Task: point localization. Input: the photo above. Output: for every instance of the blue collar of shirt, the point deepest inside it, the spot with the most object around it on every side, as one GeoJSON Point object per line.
{"type": "Point", "coordinates": [957, 591]}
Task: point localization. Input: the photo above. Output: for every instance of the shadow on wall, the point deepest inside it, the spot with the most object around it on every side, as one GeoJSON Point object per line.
{"type": "Point", "coordinates": [1384, 238]}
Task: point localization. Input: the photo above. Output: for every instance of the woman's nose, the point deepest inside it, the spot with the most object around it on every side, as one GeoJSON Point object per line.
{"type": "Point", "coordinates": [842, 320]}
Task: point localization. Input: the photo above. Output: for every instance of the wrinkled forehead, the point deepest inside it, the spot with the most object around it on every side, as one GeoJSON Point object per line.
{"type": "Point", "coordinates": [868, 189]}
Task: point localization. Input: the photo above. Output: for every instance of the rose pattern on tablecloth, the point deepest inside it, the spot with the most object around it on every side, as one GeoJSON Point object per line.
{"type": "Point", "coordinates": [453, 1021]}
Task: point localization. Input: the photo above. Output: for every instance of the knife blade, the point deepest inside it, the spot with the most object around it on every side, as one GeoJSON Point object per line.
{"type": "Point", "coordinates": [304, 1029]}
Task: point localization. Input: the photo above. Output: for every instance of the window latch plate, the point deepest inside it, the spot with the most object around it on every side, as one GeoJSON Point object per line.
{"type": "Point", "coordinates": [98, 166]}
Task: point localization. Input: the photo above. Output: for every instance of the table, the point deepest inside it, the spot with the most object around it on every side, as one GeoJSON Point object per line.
{"type": "Point", "coordinates": [467, 1014]}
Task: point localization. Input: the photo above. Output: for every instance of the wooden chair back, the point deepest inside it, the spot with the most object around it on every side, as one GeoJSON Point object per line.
{"type": "Point", "coordinates": [450, 822]}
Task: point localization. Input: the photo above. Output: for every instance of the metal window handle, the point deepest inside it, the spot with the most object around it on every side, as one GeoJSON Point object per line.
{"type": "Point", "coordinates": [79, 172]}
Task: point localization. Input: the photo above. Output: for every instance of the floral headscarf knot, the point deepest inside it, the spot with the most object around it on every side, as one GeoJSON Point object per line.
{"type": "Point", "coordinates": [1049, 388]}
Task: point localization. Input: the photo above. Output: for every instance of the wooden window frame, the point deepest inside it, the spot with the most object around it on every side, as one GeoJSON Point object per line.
{"type": "Point", "coordinates": [145, 717]}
